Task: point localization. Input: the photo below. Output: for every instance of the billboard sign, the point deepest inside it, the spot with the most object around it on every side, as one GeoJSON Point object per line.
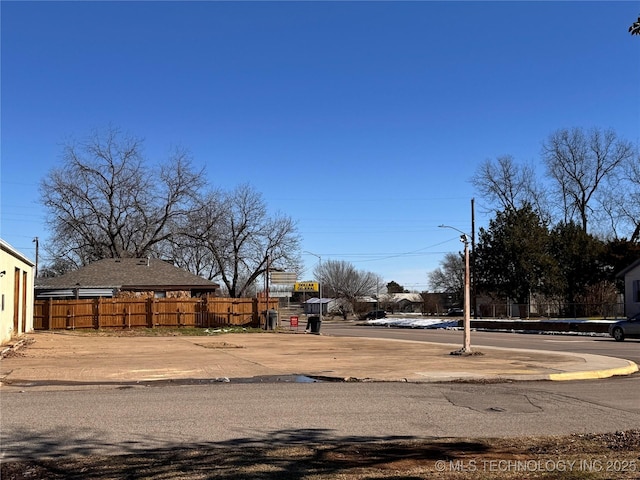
{"type": "Point", "coordinates": [306, 287]}
{"type": "Point", "coordinates": [283, 278]}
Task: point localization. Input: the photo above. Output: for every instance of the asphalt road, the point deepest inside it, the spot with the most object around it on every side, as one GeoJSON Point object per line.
{"type": "Point", "coordinates": [39, 424]}
{"type": "Point", "coordinates": [45, 424]}
{"type": "Point", "coordinates": [597, 345]}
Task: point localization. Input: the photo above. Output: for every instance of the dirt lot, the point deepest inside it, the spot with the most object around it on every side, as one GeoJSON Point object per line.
{"type": "Point", "coordinates": [610, 456]}
{"type": "Point", "coordinates": [604, 456]}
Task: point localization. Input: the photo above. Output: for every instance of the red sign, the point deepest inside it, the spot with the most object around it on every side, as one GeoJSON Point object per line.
{"type": "Point", "coordinates": [293, 321]}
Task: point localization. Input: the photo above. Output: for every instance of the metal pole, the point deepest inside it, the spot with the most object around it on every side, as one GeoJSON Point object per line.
{"type": "Point", "coordinates": [319, 280]}
{"type": "Point", "coordinates": [320, 285]}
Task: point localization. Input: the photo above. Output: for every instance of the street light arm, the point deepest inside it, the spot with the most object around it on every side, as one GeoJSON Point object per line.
{"type": "Point", "coordinates": [314, 254]}
{"type": "Point", "coordinates": [464, 237]}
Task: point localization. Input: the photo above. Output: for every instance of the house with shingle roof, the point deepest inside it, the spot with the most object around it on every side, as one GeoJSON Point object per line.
{"type": "Point", "coordinates": [402, 302]}
{"type": "Point", "coordinates": [125, 277]}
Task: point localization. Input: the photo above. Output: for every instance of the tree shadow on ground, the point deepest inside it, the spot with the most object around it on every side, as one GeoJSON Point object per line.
{"type": "Point", "coordinates": [281, 455]}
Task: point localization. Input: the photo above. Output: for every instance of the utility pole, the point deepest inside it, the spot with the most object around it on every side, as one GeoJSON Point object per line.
{"type": "Point", "coordinates": [474, 274]}
{"type": "Point", "coordinates": [35, 240]}
{"type": "Point", "coordinates": [266, 289]}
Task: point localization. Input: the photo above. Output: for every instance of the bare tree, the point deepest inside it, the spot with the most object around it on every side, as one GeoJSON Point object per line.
{"type": "Point", "coordinates": [346, 282]}
{"type": "Point", "coordinates": [240, 238]}
{"type": "Point", "coordinates": [507, 185]}
{"type": "Point", "coordinates": [187, 252]}
{"type": "Point", "coordinates": [58, 266]}
{"type": "Point", "coordinates": [623, 209]}
{"type": "Point", "coordinates": [631, 209]}
{"type": "Point", "coordinates": [105, 202]}
{"type": "Point", "coordinates": [449, 277]}
{"type": "Point", "coordinates": [580, 162]}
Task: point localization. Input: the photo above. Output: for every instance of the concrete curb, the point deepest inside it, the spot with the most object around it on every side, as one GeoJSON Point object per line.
{"type": "Point", "coordinates": [629, 369]}
{"type": "Point", "coordinates": [611, 366]}
{"type": "Point", "coordinates": [608, 367]}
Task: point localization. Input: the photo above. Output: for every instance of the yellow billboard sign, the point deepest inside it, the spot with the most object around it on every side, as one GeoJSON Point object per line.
{"type": "Point", "coordinates": [305, 287]}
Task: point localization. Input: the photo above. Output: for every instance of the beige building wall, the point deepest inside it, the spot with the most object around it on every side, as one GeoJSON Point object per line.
{"type": "Point", "coordinates": [16, 293]}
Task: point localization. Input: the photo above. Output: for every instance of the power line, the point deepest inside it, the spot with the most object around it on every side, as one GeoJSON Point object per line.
{"type": "Point", "coordinates": [385, 256]}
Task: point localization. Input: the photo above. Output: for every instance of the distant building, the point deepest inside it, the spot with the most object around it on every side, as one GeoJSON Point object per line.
{"type": "Point", "coordinates": [631, 276]}
{"type": "Point", "coordinates": [312, 306]}
{"type": "Point", "coordinates": [16, 293]}
{"type": "Point", "coordinates": [125, 277]}
{"type": "Point", "coordinates": [402, 302]}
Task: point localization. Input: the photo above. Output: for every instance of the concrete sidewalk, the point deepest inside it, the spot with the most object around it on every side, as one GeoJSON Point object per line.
{"type": "Point", "coordinates": [70, 358]}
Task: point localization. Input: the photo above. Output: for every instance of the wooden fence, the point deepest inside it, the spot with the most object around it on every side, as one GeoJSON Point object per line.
{"type": "Point", "coordinates": [150, 312]}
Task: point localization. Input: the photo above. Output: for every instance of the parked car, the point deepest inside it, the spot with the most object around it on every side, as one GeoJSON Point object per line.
{"type": "Point", "coordinates": [629, 328]}
{"type": "Point", "coordinates": [375, 314]}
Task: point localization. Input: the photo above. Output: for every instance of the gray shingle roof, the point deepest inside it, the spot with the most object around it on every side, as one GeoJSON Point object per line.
{"type": "Point", "coordinates": [129, 274]}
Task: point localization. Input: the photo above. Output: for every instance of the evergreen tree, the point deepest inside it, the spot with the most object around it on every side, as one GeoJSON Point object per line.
{"type": "Point", "coordinates": [578, 256]}
{"type": "Point", "coordinates": [512, 256]}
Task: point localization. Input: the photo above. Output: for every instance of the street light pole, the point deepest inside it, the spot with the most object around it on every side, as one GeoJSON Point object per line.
{"type": "Point", "coordinates": [467, 297]}
{"type": "Point", "coordinates": [466, 345]}
{"type": "Point", "coordinates": [266, 289]}
{"type": "Point", "coordinates": [319, 281]}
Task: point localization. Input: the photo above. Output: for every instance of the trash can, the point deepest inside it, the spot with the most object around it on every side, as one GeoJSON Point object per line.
{"type": "Point", "coordinates": [314, 324]}
{"type": "Point", "coordinates": [272, 319]}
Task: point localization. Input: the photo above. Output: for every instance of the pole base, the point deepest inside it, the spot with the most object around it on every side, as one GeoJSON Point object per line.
{"type": "Point", "coordinates": [465, 352]}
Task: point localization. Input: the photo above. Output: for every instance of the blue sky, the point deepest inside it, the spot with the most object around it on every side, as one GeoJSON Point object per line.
{"type": "Point", "coordinates": [363, 121]}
